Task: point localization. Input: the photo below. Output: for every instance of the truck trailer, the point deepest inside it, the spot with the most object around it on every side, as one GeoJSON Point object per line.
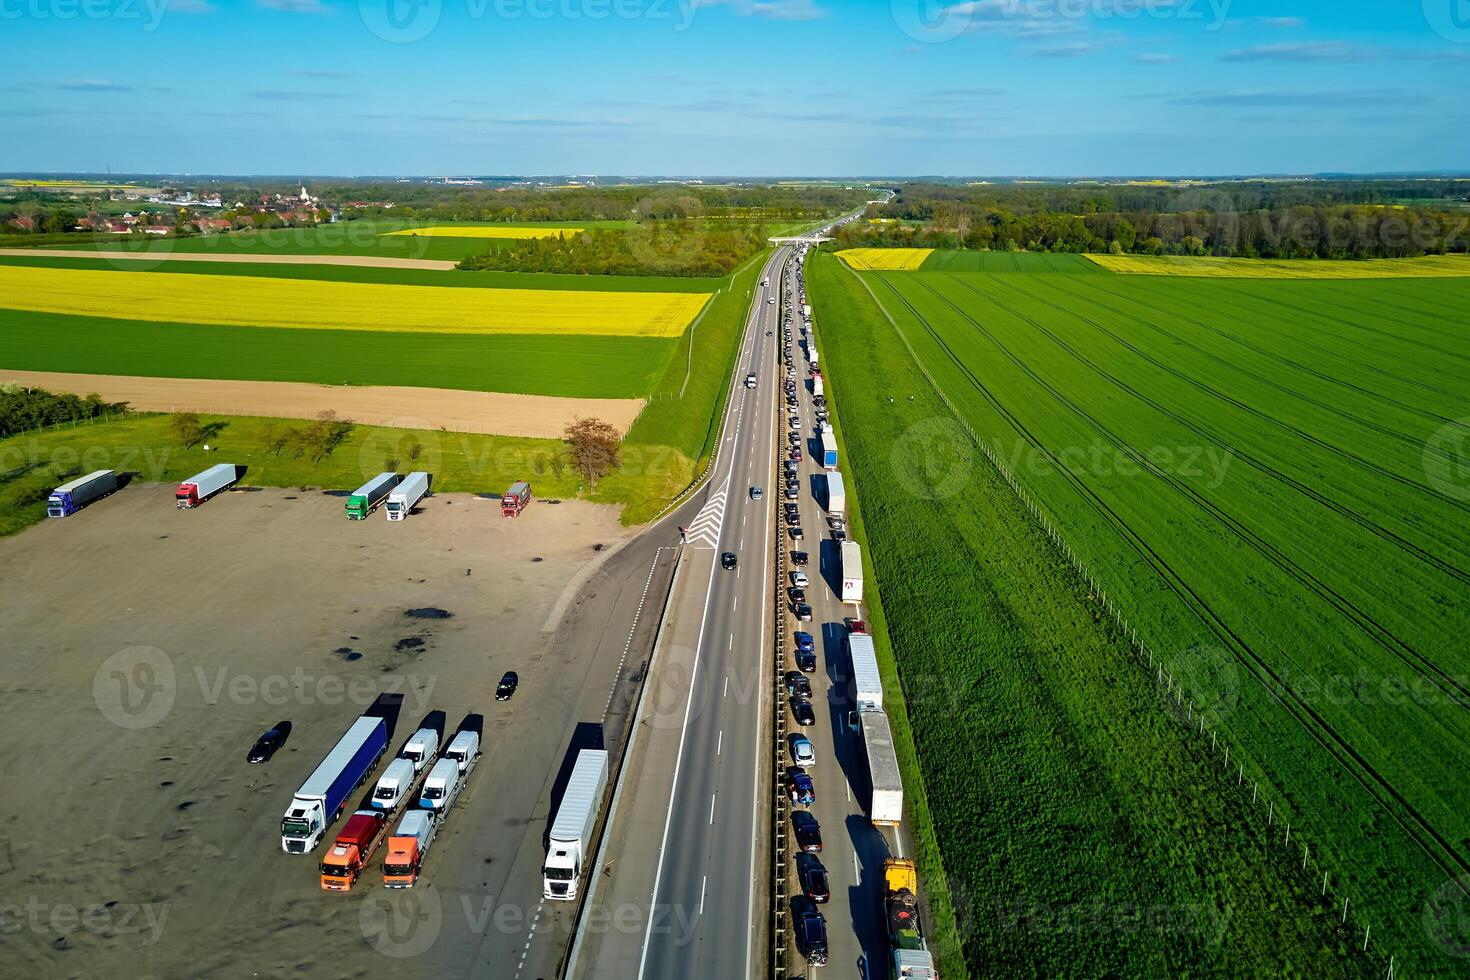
{"type": "Point", "coordinates": [852, 573]}
{"type": "Point", "coordinates": [515, 499]}
{"type": "Point", "coordinates": [829, 451]}
{"type": "Point", "coordinates": [569, 847]}
{"type": "Point", "coordinates": [836, 496]}
{"type": "Point", "coordinates": [201, 486]}
{"type": "Point", "coordinates": [368, 497]}
{"type": "Point", "coordinates": [349, 854]}
{"type": "Point", "coordinates": [867, 685]}
{"type": "Point", "coordinates": [71, 497]}
{"type": "Point", "coordinates": [885, 808]}
{"type": "Point", "coordinates": [407, 847]}
{"type": "Point", "coordinates": [817, 389]}
{"type": "Point", "coordinates": [321, 799]}
{"type": "Point", "coordinates": [406, 495]}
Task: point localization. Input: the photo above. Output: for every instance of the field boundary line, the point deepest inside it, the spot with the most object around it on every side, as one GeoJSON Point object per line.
{"type": "Point", "coordinates": [1144, 654]}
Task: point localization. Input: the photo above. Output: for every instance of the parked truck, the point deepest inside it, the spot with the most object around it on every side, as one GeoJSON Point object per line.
{"type": "Point", "coordinates": [349, 854]}
{"type": "Point", "coordinates": [885, 808]}
{"type": "Point", "coordinates": [405, 497]}
{"type": "Point", "coordinates": [71, 497]}
{"type": "Point", "coordinates": [201, 486]}
{"type": "Point", "coordinates": [569, 847]}
{"type": "Point", "coordinates": [812, 355]}
{"type": "Point", "coordinates": [368, 497]}
{"type": "Point", "coordinates": [911, 958]}
{"type": "Point", "coordinates": [829, 451]}
{"type": "Point", "coordinates": [867, 686]}
{"type": "Point", "coordinates": [852, 573]}
{"type": "Point", "coordinates": [817, 384]}
{"type": "Point", "coordinates": [321, 799]}
{"type": "Point", "coordinates": [836, 496]}
{"type": "Point", "coordinates": [515, 499]}
{"type": "Point", "coordinates": [407, 847]}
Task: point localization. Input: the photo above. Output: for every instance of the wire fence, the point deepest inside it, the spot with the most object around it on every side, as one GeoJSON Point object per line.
{"type": "Point", "coordinates": [1263, 796]}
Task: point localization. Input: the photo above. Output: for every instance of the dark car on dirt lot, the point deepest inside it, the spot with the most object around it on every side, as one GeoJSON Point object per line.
{"type": "Point", "coordinates": [507, 686]}
{"type": "Point", "coordinates": [268, 743]}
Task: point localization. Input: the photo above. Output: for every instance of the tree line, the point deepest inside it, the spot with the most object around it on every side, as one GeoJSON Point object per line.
{"type": "Point", "coordinates": [654, 248]}
{"type": "Point", "coordinates": [1289, 221]}
{"type": "Point", "coordinates": [23, 408]}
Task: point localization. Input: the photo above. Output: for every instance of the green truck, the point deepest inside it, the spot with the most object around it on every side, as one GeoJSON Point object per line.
{"type": "Point", "coordinates": [366, 498]}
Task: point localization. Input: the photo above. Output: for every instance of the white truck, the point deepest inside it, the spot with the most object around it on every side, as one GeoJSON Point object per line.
{"type": "Point", "coordinates": [420, 748]}
{"type": "Point", "coordinates": [394, 785]}
{"type": "Point", "coordinates": [405, 496]}
{"type": "Point", "coordinates": [570, 844]}
{"type": "Point", "coordinates": [852, 572]}
{"type": "Point", "coordinates": [886, 804]}
{"type": "Point", "coordinates": [323, 797]}
{"type": "Point", "coordinates": [441, 787]}
{"type": "Point", "coordinates": [812, 355]}
{"type": "Point", "coordinates": [836, 498]}
{"type": "Point", "coordinates": [817, 390]}
{"type": "Point", "coordinates": [867, 684]}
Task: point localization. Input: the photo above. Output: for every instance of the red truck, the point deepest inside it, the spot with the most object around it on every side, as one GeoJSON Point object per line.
{"type": "Point", "coordinates": [515, 499]}
{"type": "Point", "coordinates": [353, 848]}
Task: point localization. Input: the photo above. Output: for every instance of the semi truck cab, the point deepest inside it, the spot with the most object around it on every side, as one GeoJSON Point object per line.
{"type": "Point", "coordinates": [407, 847]}
{"type": "Point", "coordinates": [345, 860]}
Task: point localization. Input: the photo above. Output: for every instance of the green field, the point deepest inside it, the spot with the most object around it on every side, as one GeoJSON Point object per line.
{"type": "Point", "coordinates": [1258, 473]}
{"type": "Point", "coordinates": [949, 260]}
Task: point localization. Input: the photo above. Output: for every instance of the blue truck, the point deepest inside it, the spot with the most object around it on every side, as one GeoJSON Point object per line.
{"type": "Point", "coordinates": [323, 797]}
{"type": "Point", "coordinates": [71, 497]}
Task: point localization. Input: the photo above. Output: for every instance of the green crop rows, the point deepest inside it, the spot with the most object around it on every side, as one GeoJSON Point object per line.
{"type": "Point", "coordinates": [1263, 477]}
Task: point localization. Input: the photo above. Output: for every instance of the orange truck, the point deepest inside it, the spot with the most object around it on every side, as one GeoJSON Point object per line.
{"type": "Point", "coordinates": [407, 847]}
{"type": "Point", "coordinates": [350, 852]}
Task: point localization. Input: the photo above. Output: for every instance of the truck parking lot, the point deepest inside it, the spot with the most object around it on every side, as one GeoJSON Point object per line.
{"type": "Point", "coordinates": [149, 646]}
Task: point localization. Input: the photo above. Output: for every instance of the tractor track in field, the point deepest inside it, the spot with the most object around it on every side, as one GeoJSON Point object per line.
{"type": "Point", "coordinates": [1454, 571]}
{"type": "Point", "coordinates": [1375, 369]}
{"type": "Point", "coordinates": [1313, 317]}
{"type": "Point", "coordinates": [1384, 637]}
{"type": "Point", "coordinates": [1415, 443]}
{"type": "Point", "coordinates": [1442, 853]}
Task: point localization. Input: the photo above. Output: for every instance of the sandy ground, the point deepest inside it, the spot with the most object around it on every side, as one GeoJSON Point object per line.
{"type": "Point", "coordinates": [147, 647]}
{"type": "Point", "coordinates": [161, 255]}
{"type": "Point", "coordinates": [539, 416]}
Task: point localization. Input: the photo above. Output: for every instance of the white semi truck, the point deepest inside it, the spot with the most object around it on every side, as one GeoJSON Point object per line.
{"type": "Point", "coordinates": [570, 845]}
{"type": "Point", "coordinates": [867, 685]}
{"type": "Point", "coordinates": [836, 501]}
{"type": "Point", "coordinates": [405, 496]}
{"type": "Point", "coordinates": [886, 805]}
{"type": "Point", "coordinates": [852, 572]}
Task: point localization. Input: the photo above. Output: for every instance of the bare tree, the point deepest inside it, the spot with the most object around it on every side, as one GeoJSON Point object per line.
{"type": "Point", "coordinates": [594, 447]}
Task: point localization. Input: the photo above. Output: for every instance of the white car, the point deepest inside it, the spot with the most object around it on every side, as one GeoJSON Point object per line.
{"type": "Point", "coordinates": [799, 579]}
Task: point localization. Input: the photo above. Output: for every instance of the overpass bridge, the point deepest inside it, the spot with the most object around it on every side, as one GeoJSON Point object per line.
{"type": "Point", "coordinates": [800, 240]}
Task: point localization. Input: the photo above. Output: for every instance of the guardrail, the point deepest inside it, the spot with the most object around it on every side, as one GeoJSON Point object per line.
{"type": "Point", "coordinates": [780, 810]}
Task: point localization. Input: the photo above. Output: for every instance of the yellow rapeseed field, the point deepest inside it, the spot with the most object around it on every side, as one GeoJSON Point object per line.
{"type": "Point", "coordinates": [484, 231]}
{"type": "Point", "coordinates": [884, 259]}
{"type": "Point", "coordinates": [1426, 267]}
{"type": "Point", "coordinates": [264, 302]}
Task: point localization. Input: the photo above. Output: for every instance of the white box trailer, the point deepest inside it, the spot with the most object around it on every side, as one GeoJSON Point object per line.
{"type": "Point", "coordinates": [885, 806]}
{"type": "Point", "coordinates": [867, 685]}
{"type": "Point", "coordinates": [405, 496]}
{"type": "Point", "coordinates": [852, 572]}
{"type": "Point", "coordinates": [570, 844]}
{"type": "Point", "coordinates": [836, 499]}
{"type": "Point", "coordinates": [201, 486]}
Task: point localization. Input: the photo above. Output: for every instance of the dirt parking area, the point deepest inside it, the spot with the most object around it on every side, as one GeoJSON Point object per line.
{"type": "Point", "coordinates": [147, 648]}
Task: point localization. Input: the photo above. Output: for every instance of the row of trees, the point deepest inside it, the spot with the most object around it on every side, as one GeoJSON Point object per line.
{"type": "Point", "coordinates": [23, 408]}
{"type": "Point", "coordinates": [1199, 225]}
{"type": "Point", "coordinates": [692, 247]}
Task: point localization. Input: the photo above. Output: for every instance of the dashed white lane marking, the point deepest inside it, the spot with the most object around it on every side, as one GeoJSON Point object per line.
{"type": "Point", "coordinates": [712, 797]}
{"type": "Point", "coordinates": [720, 742]}
{"type": "Point", "coordinates": [726, 691]}
{"type": "Point", "coordinates": [702, 885]}
{"type": "Point", "coordinates": [627, 646]}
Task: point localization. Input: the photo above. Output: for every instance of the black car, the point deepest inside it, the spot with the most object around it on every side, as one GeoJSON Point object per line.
{"type": "Point", "coordinates": [797, 685]}
{"type": "Point", "coordinates": [806, 661]}
{"type": "Point", "coordinates": [811, 930]}
{"type": "Point", "coordinates": [267, 744]}
{"type": "Point", "coordinates": [798, 558]}
{"type": "Point", "coordinates": [813, 878]}
{"type": "Point", "coordinates": [796, 534]}
{"type": "Point", "coordinates": [509, 681]}
{"type": "Point", "coordinates": [801, 710]}
{"type": "Point", "coordinates": [727, 559]}
{"type": "Point", "coordinates": [798, 595]}
{"type": "Point", "coordinates": [804, 613]}
{"type": "Point", "coordinates": [807, 831]}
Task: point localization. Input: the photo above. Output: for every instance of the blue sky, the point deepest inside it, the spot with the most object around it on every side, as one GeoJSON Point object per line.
{"type": "Point", "coordinates": [736, 87]}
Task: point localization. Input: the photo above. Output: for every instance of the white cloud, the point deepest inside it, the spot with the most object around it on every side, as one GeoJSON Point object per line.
{"type": "Point", "coordinates": [769, 9]}
{"type": "Point", "coordinates": [295, 6]}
